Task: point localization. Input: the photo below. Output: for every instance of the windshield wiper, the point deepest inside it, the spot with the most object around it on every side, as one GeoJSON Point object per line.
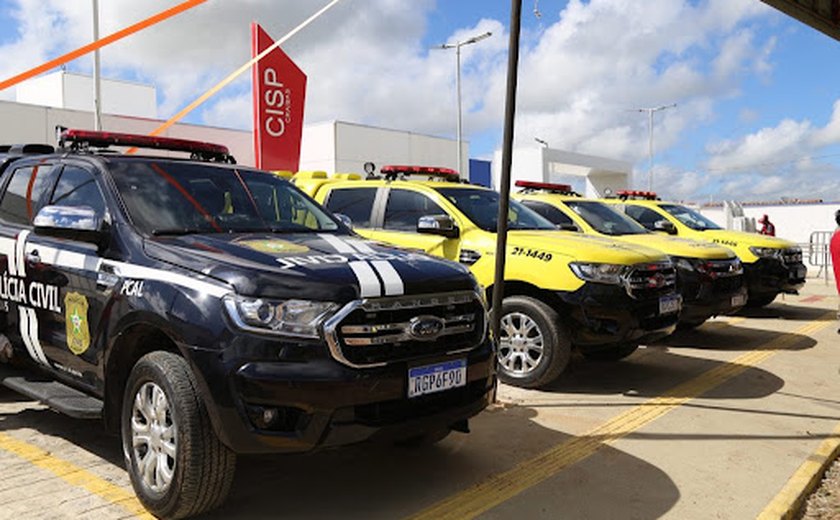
{"type": "Point", "coordinates": [180, 231]}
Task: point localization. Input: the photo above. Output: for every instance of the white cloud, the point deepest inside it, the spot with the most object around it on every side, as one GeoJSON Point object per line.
{"type": "Point", "coordinates": [366, 62]}
{"type": "Point", "coordinates": [778, 161]}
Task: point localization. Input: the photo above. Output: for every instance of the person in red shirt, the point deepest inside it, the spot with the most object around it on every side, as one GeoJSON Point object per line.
{"type": "Point", "coordinates": [767, 227]}
{"type": "Point", "coordinates": [834, 249]}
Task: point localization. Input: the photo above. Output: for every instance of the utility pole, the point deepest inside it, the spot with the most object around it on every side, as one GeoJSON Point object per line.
{"type": "Point", "coordinates": [457, 46]}
{"type": "Point", "coordinates": [97, 84]}
{"type": "Point", "coordinates": [507, 160]}
{"type": "Point", "coordinates": [650, 112]}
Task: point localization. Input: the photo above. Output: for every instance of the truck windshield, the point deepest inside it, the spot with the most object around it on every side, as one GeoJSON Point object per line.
{"type": "Point", "coordinates": [689, 217]}
{"type": "Point", "coordinates": [482, 208]}
{"type": "Point", "coordinates": [604, 219]}
{"type": "Point", "coordinates": [171, 198]}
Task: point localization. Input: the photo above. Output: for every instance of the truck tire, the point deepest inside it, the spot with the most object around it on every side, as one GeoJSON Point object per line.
{"type": "Point", "coordinates": [534, 347]}
{"type": "Point", "coordinates": [178, 467]}
{"type": "Point", "coordinates": [615, 352]}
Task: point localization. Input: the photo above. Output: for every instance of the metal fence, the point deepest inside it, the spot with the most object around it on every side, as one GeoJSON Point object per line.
{"type": "Point", "coordinates": [818, 253]}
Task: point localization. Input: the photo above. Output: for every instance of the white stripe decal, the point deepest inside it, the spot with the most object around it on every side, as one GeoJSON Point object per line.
{"type": "Point", "coordinates": [7, 248]}
{"type": "Point", "coordinates": [368, 282]}
{"type": "Point", "coordinates": [158, 275]}
{"type": "Point", "coordinates": [340, 245]}
{"type": "Point", "coordinates": [20, 258]}
{"type": "Point", "coordinates": [23, 320]}
{"type": "Point", "coordinates": [390, 278]}
{"type": "Point", "coordinates": [72, 260]}
{"type": "Point", "coordinates": [360, 245]}
{"type": "Point", "coordinates": [33, 336]}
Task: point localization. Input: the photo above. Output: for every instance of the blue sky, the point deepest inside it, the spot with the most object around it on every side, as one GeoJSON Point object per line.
{"type": "Point", "coordinates": [755, 90]}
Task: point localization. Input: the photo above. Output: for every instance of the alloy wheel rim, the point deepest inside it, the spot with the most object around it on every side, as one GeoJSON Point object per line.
{"type": "Point", "coordinates": [521, 344]}
{"type": "Point", "coordinates": [153, 438]}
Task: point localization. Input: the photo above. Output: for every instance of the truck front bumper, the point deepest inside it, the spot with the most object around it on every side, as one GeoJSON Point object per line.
{"type": "Point", "coordinates": [271, 406]}
{"type": "Point", "coordinates": [606, 314]}
{"type": "Point", "coordinates": [704, 297]}
{"type": "Point", "coordinates": [768, 276]}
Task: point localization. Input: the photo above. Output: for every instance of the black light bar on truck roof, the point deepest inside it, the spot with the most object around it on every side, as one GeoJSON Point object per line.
{"type": "Point", "coordinates": [82, 139]}
{"type": "Point", "coordinates": [637, 195]}
{"type": "Point", "coordinates": [550, 187]}
{"type": "Point", "coordinates": [391, 172]}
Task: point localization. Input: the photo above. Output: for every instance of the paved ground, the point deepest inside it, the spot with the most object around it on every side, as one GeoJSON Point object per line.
{"type": "Point", "coordinates": [707, 424]}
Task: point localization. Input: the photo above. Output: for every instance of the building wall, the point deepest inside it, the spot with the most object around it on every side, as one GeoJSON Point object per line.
{"type": "Point", "coordinates": [75, 92]}
{"type": "Point", "coordinates": [338, 146]}
{"type": "Point", "coordinates": [794, 222]}
{"type": "Point", "coordinates": [36, 124]}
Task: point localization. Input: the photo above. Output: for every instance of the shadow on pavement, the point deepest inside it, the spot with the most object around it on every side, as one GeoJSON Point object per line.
{"type": "Point", "coordinates": [384, 482]}
{"type": "Point", "coordinates": [380, 481]}
{"type": "Point", "coordinates": [786, 311]}
{"type": "Point", "coordinates": [724, 337]}
{"type": "Point", "coordinates": [89, 435]}
{"type": "Point", "coordinates": [650, 372]}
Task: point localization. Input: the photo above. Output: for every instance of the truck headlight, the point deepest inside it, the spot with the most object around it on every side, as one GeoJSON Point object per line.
{"type": "Point", "coordinates": [765, 252]}
{"type": "Point", "coordinates": [598, 273]}
{"type": "Point", "coordinates": [298, 318]}
{"type": "Point", "coordinates": [693, 265]}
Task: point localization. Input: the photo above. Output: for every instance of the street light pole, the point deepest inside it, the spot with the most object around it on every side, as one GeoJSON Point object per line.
{"type": "Point", "coordinates": [97, 82]}
{"type": "Point", "coordinates": [650, 112]}
{"type": "Point", "coordinates": [457, 46]}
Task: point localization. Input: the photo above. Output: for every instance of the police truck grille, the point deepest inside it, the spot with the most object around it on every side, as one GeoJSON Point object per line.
{"type": "Point", "coordinates": [386, 330]}
{"type": "Point", "coordinates": [650, 280]}
{"type": "Point", "coordinates": [792, 255]}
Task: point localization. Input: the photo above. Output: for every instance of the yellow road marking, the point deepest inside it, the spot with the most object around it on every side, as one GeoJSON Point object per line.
{"type": "Point", "coordinates": [74, 475]}
{"type": "Point", "coordinates": [791, 498]}
{"type": "Point", "coordinates": [488, 494]}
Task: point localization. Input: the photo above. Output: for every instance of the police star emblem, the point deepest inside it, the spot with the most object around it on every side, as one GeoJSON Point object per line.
{"type": "Point", "coordinates": [76, 321]}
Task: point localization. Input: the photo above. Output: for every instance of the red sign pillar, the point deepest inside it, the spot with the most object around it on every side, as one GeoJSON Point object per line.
{"type": "Point", "coordinates": [279, 93]}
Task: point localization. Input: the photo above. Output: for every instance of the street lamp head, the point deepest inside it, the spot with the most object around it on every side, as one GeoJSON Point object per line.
{"type": "Point", "coordinates": [541, 141]}
{"type": "Point", "coordinates": [468, 41]}
{"type": "Point", "coordinates": [478, 38]}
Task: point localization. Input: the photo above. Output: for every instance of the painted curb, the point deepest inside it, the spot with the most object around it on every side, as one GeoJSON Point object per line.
{"type": "Point", "coordinates": [790, 500]}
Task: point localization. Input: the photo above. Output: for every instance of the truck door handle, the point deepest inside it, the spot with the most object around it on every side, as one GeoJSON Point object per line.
{"type": "Point", "coordinates": [33, 258]}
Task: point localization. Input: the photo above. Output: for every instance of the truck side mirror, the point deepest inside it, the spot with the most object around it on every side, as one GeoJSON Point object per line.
{"type": "Point", "coordinates": [70, 222]}
{"type": "Point", "coordinates": [344, 219]}
{"type": "Point", "coordinates": [442, 225]}
{"type": "Point", "coordinates": [665, 226]}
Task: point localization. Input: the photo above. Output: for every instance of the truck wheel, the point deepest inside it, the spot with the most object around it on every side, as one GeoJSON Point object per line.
{"type": "Point", "coordinates": [534, 347]}
{"type": "Point", "coordinates": [760, 300]}
{"type": "Point", "coordinates": [178, 467]}
{"type": "Point", "coordinates": [613, 352]}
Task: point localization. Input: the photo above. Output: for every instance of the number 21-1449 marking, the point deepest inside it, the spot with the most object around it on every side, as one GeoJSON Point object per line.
{"type": "Point", "coordinates": [532, 253]}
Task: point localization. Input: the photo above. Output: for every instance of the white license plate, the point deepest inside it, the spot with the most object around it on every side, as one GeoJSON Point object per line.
{"type": "Point", "coordinates": [739, 300]}
{"type": "Point", "coordinates": [670, 304]}
{"type": "Point", "coordinates": [430, 379]}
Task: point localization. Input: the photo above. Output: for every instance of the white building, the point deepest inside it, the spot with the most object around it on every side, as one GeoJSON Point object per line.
{"type": "Point", "coordinates": [66, 99]}
{"type": "Point", "coordinates": [71, 91]}
{"type": "Point", "coordinates": [589, 175]}
{"type": "Point", "coordinates": [338, 146]}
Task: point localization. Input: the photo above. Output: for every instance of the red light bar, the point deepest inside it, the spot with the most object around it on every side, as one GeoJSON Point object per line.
{"type": "Point", "coordinates": [637, 194]}
{"type": "Point", "coordinates": [548, 186]}
{"type": "Point", "coordinates": [105, 139]}
{"type": "Point", "coordinates": [434, 171]}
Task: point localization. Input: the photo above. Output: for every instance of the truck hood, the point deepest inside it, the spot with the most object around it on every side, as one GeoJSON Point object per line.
{"type": "Point", "coordinates": [315, 266]}
{"type": "Point", "coordinates": [682, 247]}
{"type": "Point", "coordinates": [742, 239]}
{"type": "Point", "coordinates": [584, 248]}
